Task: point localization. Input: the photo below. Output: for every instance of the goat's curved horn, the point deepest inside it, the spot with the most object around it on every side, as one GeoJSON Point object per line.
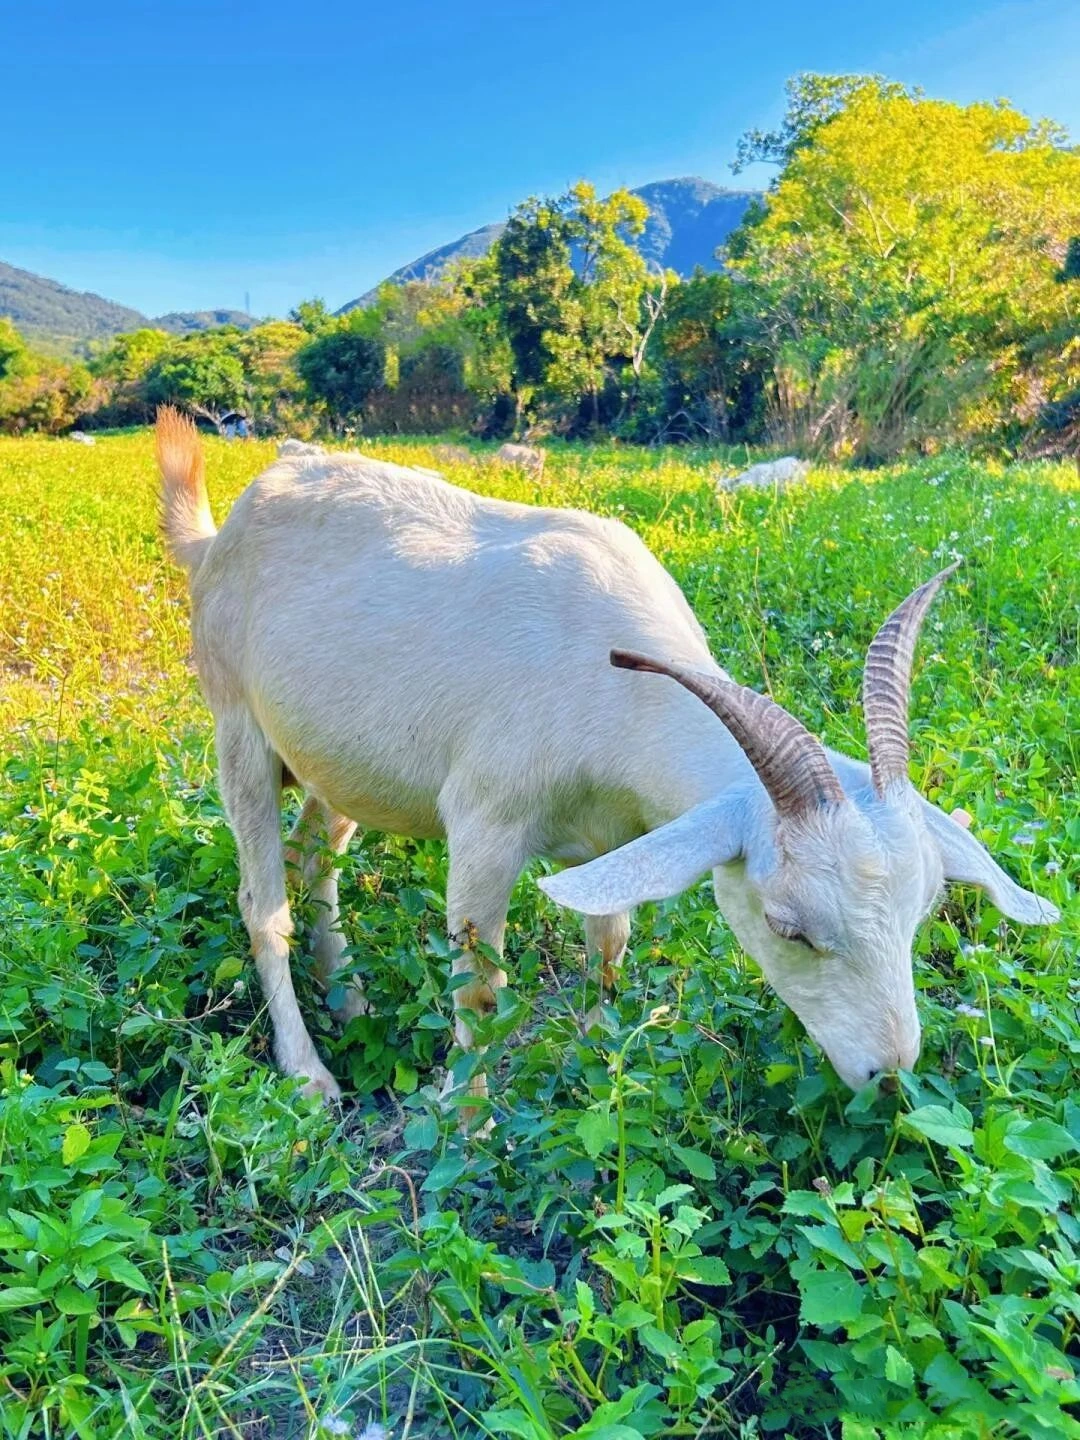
{"type": "Point", "coordinates": [887, 684]}
{"type": "Point", "coordinates": [789, 761]}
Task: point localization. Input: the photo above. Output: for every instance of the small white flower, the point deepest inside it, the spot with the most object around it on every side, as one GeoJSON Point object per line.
{"type": "Point", "coordinates": [986, 1040]}
{"type": "Point", "coordinates": [1053, 868]}
{"type": "Point", "coordinates": [971, 1011]}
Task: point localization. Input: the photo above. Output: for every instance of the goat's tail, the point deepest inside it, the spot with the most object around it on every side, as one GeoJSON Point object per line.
{"type": "Point", "coordinates": [185, 510]}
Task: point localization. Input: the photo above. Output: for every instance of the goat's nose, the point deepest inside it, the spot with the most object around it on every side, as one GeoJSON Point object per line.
{"type": "Point", "coordinates": [889, 1083]}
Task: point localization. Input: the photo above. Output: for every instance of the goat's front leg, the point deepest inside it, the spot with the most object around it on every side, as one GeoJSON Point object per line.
{"type": "Point", "coordinates": [250, 775]}
{"type": "Point", "coordinates": [606, 937]}
{"type": "Point", "coordinates": [485, 861]}
{"type": "Point", "coordinates": [318, 837]}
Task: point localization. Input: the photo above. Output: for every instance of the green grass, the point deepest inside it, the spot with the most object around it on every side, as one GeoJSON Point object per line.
{"type": "Point", "coordinates": [685, 1227]}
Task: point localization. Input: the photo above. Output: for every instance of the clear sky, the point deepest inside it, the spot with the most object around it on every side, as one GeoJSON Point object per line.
{"type": "Point", "coordinates": [180, 155]}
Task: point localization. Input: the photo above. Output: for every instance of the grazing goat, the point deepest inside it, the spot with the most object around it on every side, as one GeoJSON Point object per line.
{"type": "Point", "coordinates": [524, 457]}
{"type": "Point", "coordinates": [767, 475]}
{"type": "Point", "coordinates": [452, 454]}
{"type": "Point", "coordinates": [433, 663]}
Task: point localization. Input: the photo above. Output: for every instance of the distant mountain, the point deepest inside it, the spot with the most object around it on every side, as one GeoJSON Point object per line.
{"type": "Point", "coordinates": [431, 265]}
{"type": "Point", "coordinates": [43, 310]}
{"type": "Point", "coordinates": [186, 322]}
{"type": "Point", "coordinates": [688, 220]}
{"type": "Point", "coordinates": [56, 318]}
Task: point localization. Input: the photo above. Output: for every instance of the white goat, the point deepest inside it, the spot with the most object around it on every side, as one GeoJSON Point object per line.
{"type": "Point", "coordinates": [452, 454]}
{"type": "Point", "coordinates": [767, 475]}
{"type": "Point", "coordinates": [299, 447]}
{"type": "Point", "coordinates": [432, 663]}
{"type": "Point", "coordinates": [524, 457]}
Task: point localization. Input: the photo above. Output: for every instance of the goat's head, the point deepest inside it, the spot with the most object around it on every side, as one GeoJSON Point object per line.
{"type": "Point", "coordinates": [823, 886]}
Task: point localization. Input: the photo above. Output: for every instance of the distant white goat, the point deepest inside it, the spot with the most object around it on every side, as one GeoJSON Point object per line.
{"type": "Point", "coordinates": [299, 447]}
{"type": "Point", "coordinates": [433, 663]}
{"type": "Point", "coordinates": [452, 454]}
{"type": "Point", "coordinates": [525, 457]}
{"type": "Point", "coordinates": [767, 474]}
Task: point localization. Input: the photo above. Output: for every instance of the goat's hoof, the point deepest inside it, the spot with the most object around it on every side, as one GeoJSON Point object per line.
{"type": "Point", "coordinates": [594, 1020]}
{"type": "Point", "coordinates": [353, 1006]}
{"type": "Point", "coordinates": [467, 1114]}
{"type": "Point", "coordinates": [469, 1124]}
{"type": "Point", "coordinates": [320, 1084]}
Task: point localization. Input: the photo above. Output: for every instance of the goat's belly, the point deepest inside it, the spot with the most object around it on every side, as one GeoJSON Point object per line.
{"type": "Point", "coordinates": [374, 802]}
{"type": "Point", "coordinates": [418, 823]}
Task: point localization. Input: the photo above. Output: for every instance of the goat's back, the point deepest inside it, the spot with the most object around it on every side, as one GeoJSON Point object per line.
{"type": "Point", "coordinates": [384, 624]}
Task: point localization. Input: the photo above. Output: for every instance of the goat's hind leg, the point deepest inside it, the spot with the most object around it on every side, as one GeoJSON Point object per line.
{"type": "Point", "coordinates": [485, 861]}
{"type": "Point", "coordinates": [319, 836]}
{"type": "Point", "coordinates": [250, 774]}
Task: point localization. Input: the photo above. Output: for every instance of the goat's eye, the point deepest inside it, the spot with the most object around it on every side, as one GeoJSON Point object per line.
{"type": "Point", "coordinates": [787, 932]}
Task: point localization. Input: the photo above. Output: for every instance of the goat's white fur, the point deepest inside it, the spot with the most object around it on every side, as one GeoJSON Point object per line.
{"type": "Point", "coordinates": [299, 447]}
{"type": "Point", "coordinates": [434, 663]}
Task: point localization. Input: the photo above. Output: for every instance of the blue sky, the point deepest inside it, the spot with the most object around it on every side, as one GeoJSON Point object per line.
{"type": "Point", "coordinates": [180, 155]}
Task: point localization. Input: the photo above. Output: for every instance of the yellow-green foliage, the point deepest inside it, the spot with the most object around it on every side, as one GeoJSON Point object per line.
{"type": "Point", "coordinates": [906, 274]}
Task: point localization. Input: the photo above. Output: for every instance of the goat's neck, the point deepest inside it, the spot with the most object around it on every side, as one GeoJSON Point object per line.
{"type": "Point", "coordinates": [709, 762]}
{"type": "Point", "coordinates": [695, 760]}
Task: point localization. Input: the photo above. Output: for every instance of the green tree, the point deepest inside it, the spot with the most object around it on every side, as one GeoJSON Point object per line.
{"type": "Point", "coordinates": [560, 302]}
{"type": "Point", "coordinates": [121, 367]}
{"type": "Point", "coordinates": [127, 358]}
{"type": "Point", "coordinates": [12, 348]}
{"type": "Point", "coordinates": [603, 320]}
{"type": "Point", "coordinates": [41, 393]}
{"type": "Point", "coordinates": [203, 372]}
{"type": "Point", "coordinates": [904, 270]}
{"type": "Point", "coordinates": [340, 369]}
{"type": "Point", "coordinates": [709, 362]}
{"type": "Point", "coordinates": [812, 101]}
{"type": "Point", "coordinates": [272, 387]}
{"type": "Point", "coordinates": [531, 281]}
{"type": "Point", "coordinates": [312, 316]}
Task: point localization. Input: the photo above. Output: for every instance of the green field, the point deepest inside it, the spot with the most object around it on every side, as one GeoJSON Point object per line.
{"type": "Point", "coordinates": [684, 1227]}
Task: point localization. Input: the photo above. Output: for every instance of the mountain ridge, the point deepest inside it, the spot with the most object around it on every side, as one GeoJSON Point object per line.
{"type": "Point", "coordinates": [689, 218]}
{"type": "Point", "coordinates": [47, 312]}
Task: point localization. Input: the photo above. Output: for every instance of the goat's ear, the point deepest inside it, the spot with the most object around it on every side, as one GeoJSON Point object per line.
{"type": "Point", "coordinates": [966, 860]}
{"type": "Point", "coordinates": [660, 864]}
